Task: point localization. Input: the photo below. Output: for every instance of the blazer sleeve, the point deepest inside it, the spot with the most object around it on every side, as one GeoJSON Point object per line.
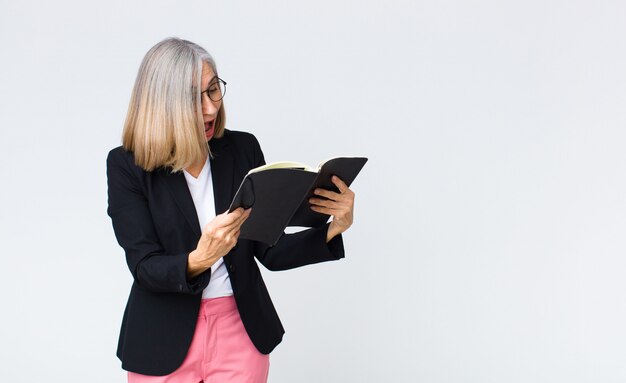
{"type": "Point", "coordinates": [152, 267]}
{"type": "Point", "coordinates": [297, 249]}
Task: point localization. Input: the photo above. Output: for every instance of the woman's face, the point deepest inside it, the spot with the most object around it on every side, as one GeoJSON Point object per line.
{"type": "Point", "coordinates": [209, 107]}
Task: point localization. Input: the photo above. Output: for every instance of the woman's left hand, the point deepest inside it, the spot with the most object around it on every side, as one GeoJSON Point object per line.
{"type": "Point", "coordinates": [339, 205]}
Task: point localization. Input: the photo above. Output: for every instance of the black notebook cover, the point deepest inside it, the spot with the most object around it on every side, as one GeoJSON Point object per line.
{"type": "Point", "coordinates": [280, 197]}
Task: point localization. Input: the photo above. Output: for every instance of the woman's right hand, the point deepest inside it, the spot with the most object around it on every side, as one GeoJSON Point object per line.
{"type": "Point", "coordinates": [218, 237]}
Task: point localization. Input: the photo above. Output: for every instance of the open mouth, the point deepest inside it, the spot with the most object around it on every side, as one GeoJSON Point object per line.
{"type": "Point", "coordinates": [209, 126]}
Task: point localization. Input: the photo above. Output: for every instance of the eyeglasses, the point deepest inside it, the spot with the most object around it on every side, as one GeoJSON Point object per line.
{"type": "Point", "coordinates": [216, 91]}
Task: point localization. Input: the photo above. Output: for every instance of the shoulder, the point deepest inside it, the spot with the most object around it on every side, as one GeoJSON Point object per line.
{"type": "Point", "coordinates": [121, 163]}
{"type": "Point", "coordinates": [240, 138]}
{"type": "Point", "coordinates": [242, 142]}
{"type": "Point", "coordinates": [119, 155]}
{"type": "Point", "coordinates": [244, 145]}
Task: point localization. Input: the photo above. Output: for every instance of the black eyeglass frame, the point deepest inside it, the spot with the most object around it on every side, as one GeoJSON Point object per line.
{"type": "Point", "coordinates": [208, 91]}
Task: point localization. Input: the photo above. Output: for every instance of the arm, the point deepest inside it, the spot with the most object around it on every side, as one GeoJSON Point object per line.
{"type": "Point", "coordinates": [298, 249]}
{"type": "Point", "coordinates": [152, 268]}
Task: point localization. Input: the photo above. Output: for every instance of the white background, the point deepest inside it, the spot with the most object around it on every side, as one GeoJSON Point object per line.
{"type": "Point", "coordinates": [488, 242]}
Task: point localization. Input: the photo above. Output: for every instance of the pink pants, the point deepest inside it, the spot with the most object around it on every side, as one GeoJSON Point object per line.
{"type": "Point", "coordinates": [220, 350]}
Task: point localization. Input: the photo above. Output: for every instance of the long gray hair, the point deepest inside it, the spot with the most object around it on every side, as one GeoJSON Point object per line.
{"type": "Point", "coordinates": [164, 125]}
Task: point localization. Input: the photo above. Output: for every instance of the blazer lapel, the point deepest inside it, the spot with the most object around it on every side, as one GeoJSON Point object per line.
{"type": "Point", "coordinates": [177, 185]}
{"type": "Point", "coordinates": [222, 174]}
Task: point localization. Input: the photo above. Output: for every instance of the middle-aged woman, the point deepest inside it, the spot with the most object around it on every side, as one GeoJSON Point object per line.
{"type": "Point", "coordinates": [198, 309]}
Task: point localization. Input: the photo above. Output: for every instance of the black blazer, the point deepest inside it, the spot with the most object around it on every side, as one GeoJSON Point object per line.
{"type": "Point", "coordinates": [155, 222]}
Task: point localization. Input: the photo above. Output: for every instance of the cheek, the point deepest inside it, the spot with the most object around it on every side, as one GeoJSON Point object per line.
{"type": "Point", "coordinates": [211, 108]}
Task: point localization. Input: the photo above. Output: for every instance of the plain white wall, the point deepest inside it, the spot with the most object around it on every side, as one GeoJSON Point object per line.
{"type": "Point", "coordinates": [488, 243]}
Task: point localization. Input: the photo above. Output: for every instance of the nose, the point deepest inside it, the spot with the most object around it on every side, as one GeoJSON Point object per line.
{"type": "Point", "coordinates": [209, 106]}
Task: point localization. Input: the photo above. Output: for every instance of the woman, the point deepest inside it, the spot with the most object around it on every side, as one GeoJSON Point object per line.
{"type": "Point", "coordinates": [198, 309]}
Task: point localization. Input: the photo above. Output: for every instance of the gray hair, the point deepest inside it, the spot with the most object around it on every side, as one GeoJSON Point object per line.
{"type": "Point", "coordinates": [164, 124]}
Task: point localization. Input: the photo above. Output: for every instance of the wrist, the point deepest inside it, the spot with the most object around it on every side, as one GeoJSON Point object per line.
{"type": "Point", "coordinates": [195, 265]}
{"type": "Point", "coordinates": [331, 233]}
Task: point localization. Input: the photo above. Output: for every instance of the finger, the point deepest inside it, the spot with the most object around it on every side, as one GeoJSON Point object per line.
{"type": "Point", "coordinates": [219, 221]}
{"type": "Point", "coordinates": [237, 224]}
{"type": "Point", "coordinates": [244, 217]}
{"type": "Point", "coordinates": [324, 210]}
{"type": "Point", "coordinates": [325, 203]}
{"type": "Point", "coordinates": [328, 194]}
{"type": "Point", "coordinates": [340, 184]}
{"type": "Point", "coordinates": [230, 218]}
{"type": "Point", "coordinates": [234, 236]}
{"type": "Point", "coordinates": [226, 220]}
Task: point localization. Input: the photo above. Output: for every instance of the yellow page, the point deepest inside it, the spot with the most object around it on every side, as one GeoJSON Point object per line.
{"type": "Point", "coordinates": [283, 165]}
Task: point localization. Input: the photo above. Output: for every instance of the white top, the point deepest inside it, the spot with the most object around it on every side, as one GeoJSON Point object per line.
{"type": "Point", "coordinates": [201, 190]}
